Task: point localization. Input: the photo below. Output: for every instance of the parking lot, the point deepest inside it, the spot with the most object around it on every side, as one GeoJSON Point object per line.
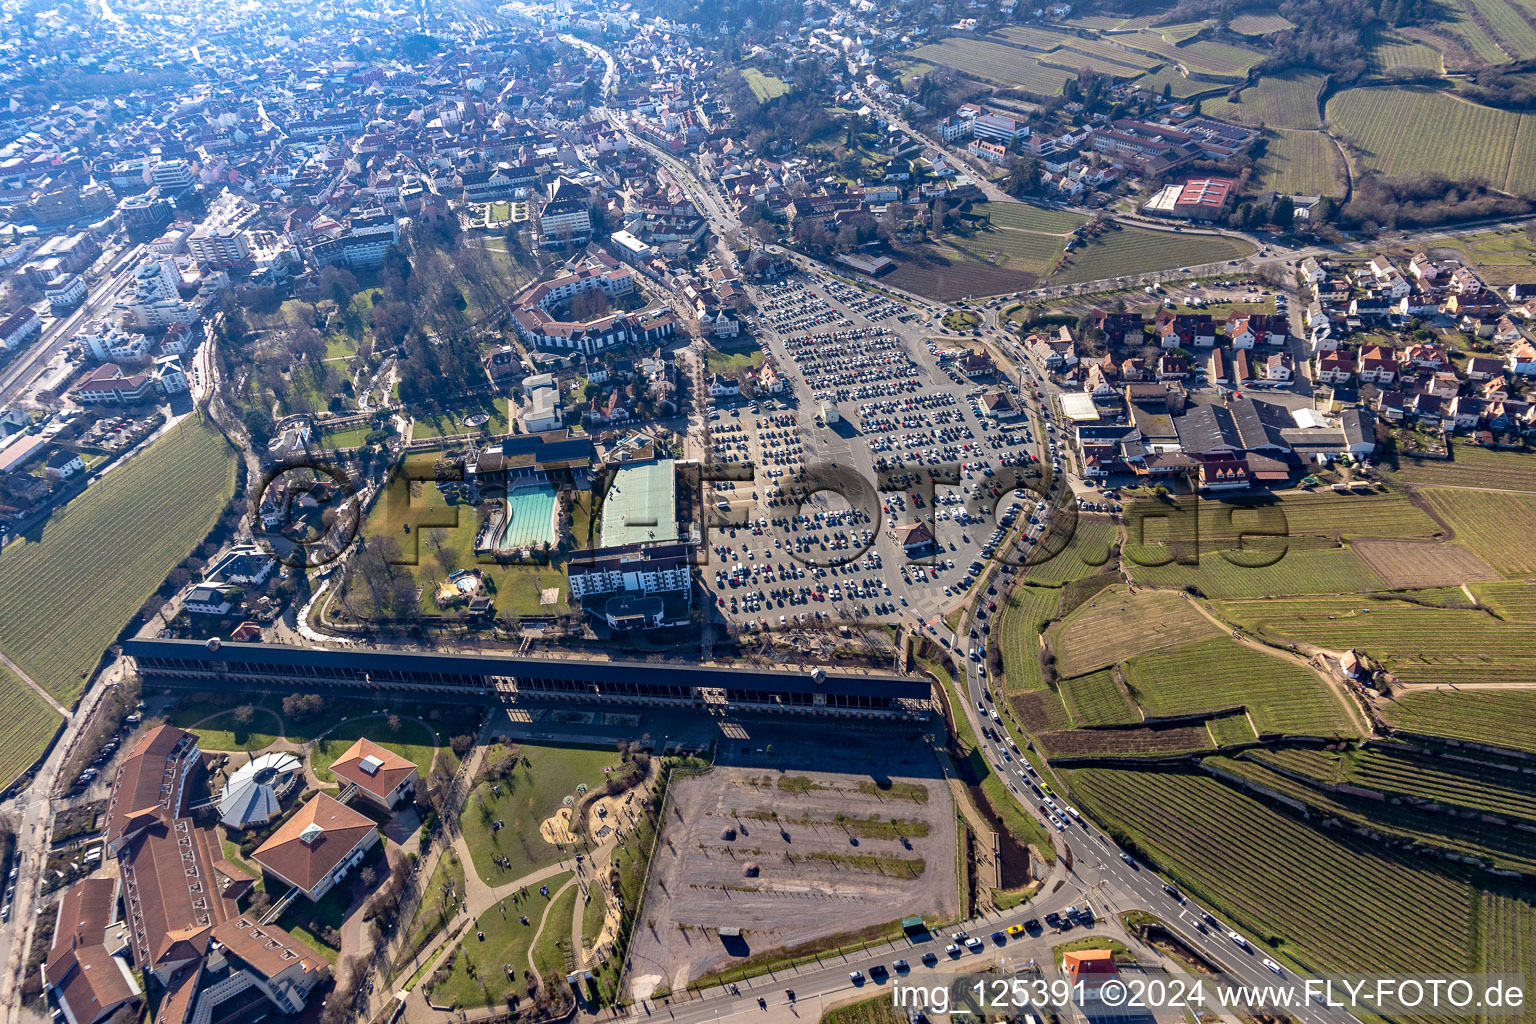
{"type": "Point", "coordinates": [876, 409]}
{"type": "Point", "coordinates": [786, 854]}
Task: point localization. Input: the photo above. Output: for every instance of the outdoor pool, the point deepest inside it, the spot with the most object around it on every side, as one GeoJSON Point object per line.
{"type": "Point", "coordinates": [530, 517]}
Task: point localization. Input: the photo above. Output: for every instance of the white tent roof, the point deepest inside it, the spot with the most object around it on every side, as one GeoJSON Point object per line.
{"type": "Point", "coordinates": [249, 797]}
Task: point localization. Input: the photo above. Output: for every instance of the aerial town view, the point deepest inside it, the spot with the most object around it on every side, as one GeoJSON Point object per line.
{"type": "Point", "coordinates": [768, 511]}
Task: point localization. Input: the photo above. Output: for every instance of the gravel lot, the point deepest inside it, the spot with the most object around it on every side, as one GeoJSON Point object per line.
{"type": "Point", "coordinates": [815, 876]}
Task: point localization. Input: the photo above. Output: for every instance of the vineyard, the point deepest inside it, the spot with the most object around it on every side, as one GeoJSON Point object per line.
{"type": "Point", "coordinates": [1282, 697]}
{"type": "Point", "coordinates": [1389, 52]}
{"type": "Point", "coordinates": [1388, 127]}
{"type": "Point", "coordinates": [1299, 571]}
{"type": "Point", "coordinates": [1089, 551]}
{"type": "Point", "coordinates": [29, 724]}
{"type": "Point", "coordinates": [1280, 878]}
{"type": "Point", "coordinates": [1148, 741]}
{"type": "Point", "coordinates": [1027, 217]}
{"type": "Point", "coordinates": [1510, 27]}
{"type": "Point", "coordinates": [1141, 251]}
{"type": "Point", "coordinates": [995, 62]}
{"type": "Point", "coordinates": [1416, 643]}
{"type": "Point", "coordinates": [1485, 523]}
{"type": "Point", "coordinates": [1436, 780]}
{"type": "Point", "coordinates": [1099, 634]}
{"type": "Point", "coordinates": [1095, 699]}
{"type": "Point", "coordinates": [1258, 24]}
{"type": "Point", "coordinates": [1207, 57]}
{"type": "Point", "coordinates": [59, 607]}
{"type": "Point", "coordinates": [1178, 85]}
{"type": "Point", "coordinates": [1493, 717]}
{"type": "Point", "coordinates": [1472, 465]}
{"type": "Point", "coordinates": [1018, 633]}
{"type": "Point", "coordinates": [1509, 934]}
{"type": "Point", "coordinates": [1414, 564]}
{"type": "Point", "coordinates": [1461, 835]}
{"type": "Point", "coordinates": [1305, 162]}
{"type": "Point", "coordinates": [1284, 100]}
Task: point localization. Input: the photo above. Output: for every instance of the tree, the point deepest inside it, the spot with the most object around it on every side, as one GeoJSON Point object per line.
{"type": "Point", "coordinates": [244, 714]}
{"type": "Point", "coordinates": [1284, 213]}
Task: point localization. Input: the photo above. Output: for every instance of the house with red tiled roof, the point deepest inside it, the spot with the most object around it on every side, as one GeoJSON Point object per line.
{"type": "Point", "coordinates": [83, 971]}
{"type": "Point", "coordinates": [317, 846]}
{"type": "Point", "coordinates": [382, 777]}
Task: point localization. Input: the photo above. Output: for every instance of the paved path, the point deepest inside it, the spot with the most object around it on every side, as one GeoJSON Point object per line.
{"type": "Point", "coordinates": [19, 674]}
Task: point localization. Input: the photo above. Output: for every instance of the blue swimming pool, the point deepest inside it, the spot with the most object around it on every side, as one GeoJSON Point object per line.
{"type": "Point", "coordinates": [530, 517]}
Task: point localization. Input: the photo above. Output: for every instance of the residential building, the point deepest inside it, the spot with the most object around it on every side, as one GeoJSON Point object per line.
{"type": "Point", "coordinates": [19, 327]}
{"type": "Point", "coordinates": [634, 586]}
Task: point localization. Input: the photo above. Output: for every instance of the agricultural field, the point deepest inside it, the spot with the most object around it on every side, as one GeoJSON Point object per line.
{"type": "Point", "coordinates": [1418, 644]}
{"type": "Point", "coordinates": [1178, 85]}
{"type": "Point", "coordinates": [1253, 24]}
{"type": "Point", "coordinates": [1018, 633]}
{"type": "Point", "coordinates": [995, 62]}
{"type": "Point", "coordinates": [1484, 522]}
{"type": "Point", "coordinates": [942, 273]}
{"type": "Point", "coordinates": [1509, 934]}
{"type": "Point", "coordinates": [1097, 635]}
{"type": "Point", "coordinates": [1145, 741]}
{"type": "Point", "coordinates": [1282, 696]}
{"type": "Point", "coordinates": [1301, 163]}
{"type": "Point", "coordinates": [1389, 51]}
{"type": "Point", "coordinates": [1133, 250]}
{"type": "Point", "coordinates": [1510, 27]}
{"type": "Point", "coordinates": [1284, 100]}
{"type": "Point", "coordinates": [1498, 718]}
{"type": "Point", "coordinates": [1205, 56]}
{"type": "Point", "coordinates": [1300, 570]}
{"type": "Point", "coordinates": [1477, 142]}
{"type": "Point", "coordinates": [1182, 31]}
{"type": "Point", "coordinates": [29, 725]}
{"type": "Point", "coordinates": [58, 610]}
{"type": "Point", "coordinates": [1289, 884]}
{"type": "Point", "coordinates": [1028, 217]}
{"type": "Point", "coordinates": [1411, 564]}
{"type": "Point", "coordinates": [1087, 552]}
{"type": "Point", "coordinates": [1096, 699]}
{"type": "Point", "coordinates": [1472, 465]}
{"type": "Point", "coordinates": [764, 86]}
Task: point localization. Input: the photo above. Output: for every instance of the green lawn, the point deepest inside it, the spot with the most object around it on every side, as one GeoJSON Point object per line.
{"type": "Point", "coordinates": [477, 972]}
{"type": "Point", "coordinates": [69, 586]}
{"type": "Point", "coordinates": [555, 939]}
{"type": "Point", "coordinates": [452, 422]}
{"type": "Point", "coordinates": [224, 733]}
{"type": "Point", "coordinates": [764, 86]}
{"type": "Point", "coordinates": [350, 437]}
{"type": "Point", "coordinates": [434, 914]}
{"type": "Point", "coordinates": [413, 741]}
{"type": "Point", "coordinates": [530, 794]}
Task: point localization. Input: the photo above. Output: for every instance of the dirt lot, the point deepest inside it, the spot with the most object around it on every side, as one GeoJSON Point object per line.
{"type": "Point", "coordinates": [939, 277]}
{"type": "Point", "coordinates": [832, 861]}
{"type": "Point", "coordinates": [1413, 564]}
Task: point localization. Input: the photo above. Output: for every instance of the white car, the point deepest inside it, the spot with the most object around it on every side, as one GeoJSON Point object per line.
{"type": "Point", "coordinates": [1273, 966]}
{"type": "Point", "coordinates": [1238, 940]}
